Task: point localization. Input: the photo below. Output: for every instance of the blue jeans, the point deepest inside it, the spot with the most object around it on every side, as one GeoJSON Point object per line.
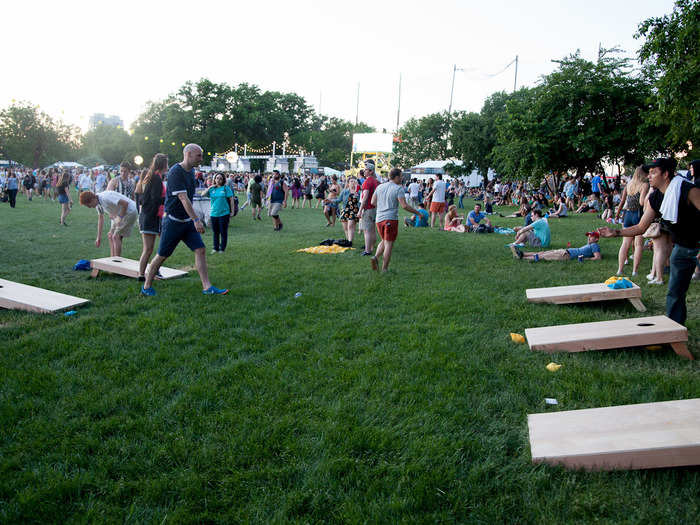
{"type": "Point", "coordinates": [460, 204]}
{"type": "Point", "coordinates": [683, 262]}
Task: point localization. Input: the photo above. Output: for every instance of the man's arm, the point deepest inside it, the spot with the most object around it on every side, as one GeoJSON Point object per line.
{"type": "Point", "coordinates": [632, 231]}
{"type": "Point", "coordinates": [189, 210]}
{"type": "Point", "coordinates": [597, 256]}
{"type": "Point", "coordinates": [286, 193]}
{"type": "Point", "coordinates": [100, 227]}
{"type": "Point", "coordinates": [406, 207]}
{"type": "Point", "coordinates": [374, 199]}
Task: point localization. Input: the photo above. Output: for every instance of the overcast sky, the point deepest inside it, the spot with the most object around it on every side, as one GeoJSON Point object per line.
{"type": "Point", "coordinates": [75, 58]}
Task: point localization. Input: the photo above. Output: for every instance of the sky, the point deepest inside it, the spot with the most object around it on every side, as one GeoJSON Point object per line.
{"type": "Point", "coordinates": [75, 58]}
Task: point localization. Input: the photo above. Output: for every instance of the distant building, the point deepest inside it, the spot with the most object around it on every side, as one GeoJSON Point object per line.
{"type": "Point", "coordinates": [100, 119]}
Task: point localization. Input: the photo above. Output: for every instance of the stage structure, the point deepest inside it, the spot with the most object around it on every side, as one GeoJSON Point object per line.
{"type": "Point", "coordinates": [238, 158]}
{"type": "Point", "coordinates": [371, 146]}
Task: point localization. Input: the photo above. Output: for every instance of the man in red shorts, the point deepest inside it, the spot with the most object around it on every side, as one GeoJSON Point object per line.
{"type": "Point", "coordinates": [438, 206]}
{"type": "Point", "coordinates": [387, 198]}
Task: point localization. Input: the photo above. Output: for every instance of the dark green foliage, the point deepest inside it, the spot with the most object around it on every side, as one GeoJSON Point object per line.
{"type": "Point", "coordinates": [381, 399]}
{"type": "Point", "coordinates": [671, 56]}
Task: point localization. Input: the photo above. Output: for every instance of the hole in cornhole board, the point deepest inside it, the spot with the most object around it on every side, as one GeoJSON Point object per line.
{"type": "Point", "coordinates": [116, 260]}
{"type": "Point", "coordinates": [645, 324]}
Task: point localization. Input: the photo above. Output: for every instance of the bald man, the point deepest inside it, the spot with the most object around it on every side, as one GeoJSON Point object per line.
{"type": "Point", "coordinates": [181, 222]}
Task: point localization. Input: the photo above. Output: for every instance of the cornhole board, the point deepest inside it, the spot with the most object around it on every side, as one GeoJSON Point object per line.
{"type": "Point", "coordinates": [585, 293]}
{"type": "Point", "coordinates": [638, 331]}
{"type": "Point", "coordinates": [17, 296]}
{"type": "Point", "coordinates": [648, 435]}
{"type": "Point", "coordinates": [128, 267]}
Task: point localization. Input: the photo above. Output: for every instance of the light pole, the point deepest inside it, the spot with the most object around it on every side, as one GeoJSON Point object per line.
{"type": "Point", "coordinates": [452, 90]}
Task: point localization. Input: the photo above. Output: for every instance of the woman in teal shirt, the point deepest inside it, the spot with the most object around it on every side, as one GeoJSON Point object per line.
{"type": "Point", "coordinates": [221, 196]}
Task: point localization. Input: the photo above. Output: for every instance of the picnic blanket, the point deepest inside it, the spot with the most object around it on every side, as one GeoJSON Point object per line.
{"type": "Point", "coordinates": [325, 249]}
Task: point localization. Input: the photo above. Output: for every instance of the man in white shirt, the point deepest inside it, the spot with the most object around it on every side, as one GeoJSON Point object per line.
{"type": "Point", "coordinates": [438, 206]}
{"type": "Point", "coordinates": [413, 191]}
{"type": "Point", "coordinates": [121, 210]}
{"type": "Point", "coordinates": [100, 182]}
{"type": "Point", "coordinates": [84, 182]}
{"type": "Point", "coordinates": [386, 198]}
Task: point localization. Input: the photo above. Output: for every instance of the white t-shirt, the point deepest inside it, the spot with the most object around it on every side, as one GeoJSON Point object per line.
{"type": "Point", "coordinates": [440, 186]}
{"type": "Point", "coordinates": [413, 190]}
{"type": "Point", "coordinates": [109, 203]}
{"type": "Point", "coordinates": [85, 181]}
{"type": "Point", "coordinates": [388, 195]}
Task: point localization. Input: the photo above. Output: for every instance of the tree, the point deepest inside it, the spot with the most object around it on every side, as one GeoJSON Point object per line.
{"type": "Point", "coordinates": [108, 143]}
{"type": "Point", "coordinates": [422, 139]}
{"type": "Point", "coordinates": [580, 115]}
{"type": "Point", "coordinates": [31, 137]}
{"type": "Point", "coordinates": [671, 56]}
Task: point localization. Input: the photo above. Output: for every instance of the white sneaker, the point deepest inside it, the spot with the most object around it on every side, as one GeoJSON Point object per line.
{"type": "Point", "coordinates": [634, 274]}
{"type": "Point", "coordinates": [214, 251]}
{"type": "Point", "coordinates": [650, 276]}
{"type": "Point", "coordinates": [656, 281]}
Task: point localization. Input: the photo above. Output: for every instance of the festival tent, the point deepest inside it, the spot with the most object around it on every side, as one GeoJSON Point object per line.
{"type": "Point", "coordinates": [428, 169]}
{"type": "Point", "coordinates": [7, 163]}
{"type": "Point", "coordinates": [330, 171]}
{"type": "Point", "coordinates": [65, 165]}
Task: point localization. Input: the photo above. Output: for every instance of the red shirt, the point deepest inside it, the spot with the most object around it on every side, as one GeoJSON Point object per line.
{"type": "Point", "coordinates": [370, 185]}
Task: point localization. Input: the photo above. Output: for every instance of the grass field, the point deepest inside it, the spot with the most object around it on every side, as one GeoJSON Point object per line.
{"type": "Point", "coordinates": [369, 398]}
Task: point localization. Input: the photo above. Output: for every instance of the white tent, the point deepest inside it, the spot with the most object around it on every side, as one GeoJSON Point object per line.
{"type": "Point", "coordinates": [65, 165]}
{"type": "Point", "coordinates": [330, 171]}
{"type": "Point", "coordinates": [428, 169]}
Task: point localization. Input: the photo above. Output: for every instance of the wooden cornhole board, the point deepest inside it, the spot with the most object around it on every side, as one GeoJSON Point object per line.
{"type": "Point", "coordinates": [585, 293]}
{"type": "Point", "coordinates": [648, 435]}
{"type": "Point", "coordinates": [128, 267]}
{"type": "Point", "coordinates": [17, 296]}
{"type": "Point", "coordinates": [639, 331]}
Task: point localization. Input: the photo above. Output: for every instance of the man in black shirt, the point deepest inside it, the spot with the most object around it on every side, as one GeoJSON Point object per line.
{"type": "Point", "coordinates": [181, 222]}
{"type": "Point", "coordinates": [685, 231]}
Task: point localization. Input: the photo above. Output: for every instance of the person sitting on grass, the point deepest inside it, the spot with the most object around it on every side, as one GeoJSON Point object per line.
{"type": "Point", "coordinates": [420, 220]}
{"type": "Point", "coordinates": [453, 221]}
{"type": "Point", "coordinates": [560, 210]}
{"type": "Point", "coordinates": [477, 220]}
{"type": "Point", "coordinates": [591, 204]}
{"type": "Point", "coordinates": [589, 251]}
{"type": "Point", "coordinates": [536, 234]}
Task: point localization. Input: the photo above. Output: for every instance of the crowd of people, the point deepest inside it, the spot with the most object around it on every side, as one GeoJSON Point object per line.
{"type": "Point", "coordinates": [161, 196]}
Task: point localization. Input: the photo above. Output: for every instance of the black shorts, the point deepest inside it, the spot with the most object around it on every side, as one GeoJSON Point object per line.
{"type": "Point", "coordinates": [149, 224]}
{"type": "Point", "coordinates": [173, 232]}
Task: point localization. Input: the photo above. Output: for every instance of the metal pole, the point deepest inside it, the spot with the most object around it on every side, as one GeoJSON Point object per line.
{"type": "Point", "coordinates": [452, 90]}
{"type": "Point", "coordinates": [357, 107]}
{"type": "Point", "coordinates": [273, 149]}
{"type": "Point", "coordinates": [515, 82]}
{"type": "Point", "coordinates": [398, 111]}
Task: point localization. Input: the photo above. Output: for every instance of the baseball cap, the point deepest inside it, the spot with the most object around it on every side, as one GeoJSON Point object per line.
{"type": "Point", "coordinates": [369, 164]}
{"type": "Point", "coordinates": [595, 234]}
{"type": "Point", "coordinates": [666, 164]}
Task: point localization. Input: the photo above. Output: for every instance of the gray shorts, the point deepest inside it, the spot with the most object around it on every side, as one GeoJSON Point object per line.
{"type": "Point", "coordinates": [533, 240]}
{"type": "Point", "coordinates": [368, 219]}
{"type": "Point", "coordinates": [274, 209]}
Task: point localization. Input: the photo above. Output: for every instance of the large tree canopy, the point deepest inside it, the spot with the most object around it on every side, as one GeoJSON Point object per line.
{"type": "Point", "coordinates": [671, 55]}
{"type": "Point", "coordinates": [422, 139]}
{"type": "Point", "coordinates": [31, 137]}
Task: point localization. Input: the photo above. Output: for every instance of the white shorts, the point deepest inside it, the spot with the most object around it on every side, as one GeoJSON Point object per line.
{"type": "Point", "coordinates": [274, 209]}
{"type": "Point", "coordinates": [123, 227]}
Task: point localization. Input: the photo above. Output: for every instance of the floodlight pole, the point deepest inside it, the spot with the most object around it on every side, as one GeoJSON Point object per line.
{"type": "Point", "coordinates": [357, 106]}
{"type": "Point", "coordinates": [398, 111]}
{"type": "Point", "coordinates": [515, 81]}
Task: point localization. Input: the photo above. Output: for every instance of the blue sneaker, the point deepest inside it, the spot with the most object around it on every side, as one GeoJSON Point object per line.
{"type": "Point", "coordinates": [213, 290]}
{"type": "Point", "coordinates": [150, 292]}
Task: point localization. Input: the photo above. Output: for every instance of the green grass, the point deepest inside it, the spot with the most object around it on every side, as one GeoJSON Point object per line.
{"type": "Point", "coordinates": [383, 399]}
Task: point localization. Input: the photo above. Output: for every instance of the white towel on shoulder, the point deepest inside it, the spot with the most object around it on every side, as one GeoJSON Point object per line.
{"type": "Point", "coordinates": [669, 206]}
